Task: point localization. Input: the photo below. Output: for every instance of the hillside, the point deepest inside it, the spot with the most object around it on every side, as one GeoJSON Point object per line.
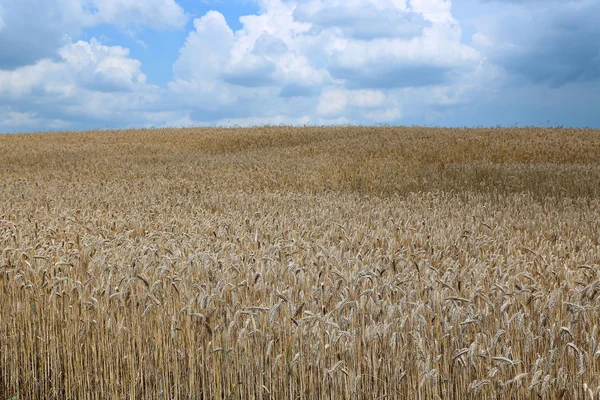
{"type": "Point", "coordinates": [313, 263]}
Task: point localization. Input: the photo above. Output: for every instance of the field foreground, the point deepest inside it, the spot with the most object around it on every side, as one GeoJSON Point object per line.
{"type": "Point", "coordinates": [300, 263]}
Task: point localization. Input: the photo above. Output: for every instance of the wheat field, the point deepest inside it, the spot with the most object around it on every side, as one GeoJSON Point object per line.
{"type": "Point", "coordinates": [300, 263]}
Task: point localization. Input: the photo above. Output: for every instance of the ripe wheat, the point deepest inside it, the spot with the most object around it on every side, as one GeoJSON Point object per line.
{"type": "Point", "coordinates": [314, 263]}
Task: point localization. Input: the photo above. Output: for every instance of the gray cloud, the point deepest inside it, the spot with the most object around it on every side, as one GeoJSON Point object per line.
{"type": "Point", "coordinates": [299, 90]}
{"type": "Point", "coordinates": [531, 61]}
{"type": "Point", "coordinates": [30, 31]}
{"type": "Point", "coordinates": [528, 1]}
{"type": "Point", "coordinates": [383, 75]}
{"type": "Point", "coordinates": [267, 45]}
{"type": "Point", "coordinates": [90, 86]}
{"type": "Point", "coordinates": [254, 72]}
{"type": "Point", "coordinates": [365, 23]}
{"type": "Point", "coordinates": [557, 45]}
{"type": "Point", "coordinates": [574, 104]}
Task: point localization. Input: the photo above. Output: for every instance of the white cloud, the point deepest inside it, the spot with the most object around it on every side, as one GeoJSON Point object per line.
{"type": "Point", "coordinates": [384, 115]}
{"type": "Point", "coordinates": [437, 11]}
{"type": "Point", "coordinates": [88, 65]}
{"type": "Point", "coordinates": [12, 119]}
{"type": "Point", "coordinates": [480, 41]}
{"type": "Point", "coordinates": [206, 49]}
{"type": "Point", "coordinates": [200, 63]}
{"type": "Point", "coordinates": [270, 120]}
{"type": "Point", "coordinates": [36, 29]}
{"type": "Point", "coordinates": [31, 30]}
{"type": "Point", "coordinates": [160, 14]}
{"type": "Point", "coordinates": [328, 61]}
{"type": "Point", "coordinates": [323, 59]}
{"type": "Point", "coordinates": [362, 20]}
{"type": "Point", "coordinates": [335, 102]}
{"type": "Point", "coordinates": [317, 61]}
{"type": "Point", "coordinates": [555, 44]}
{"type": "Point", "coordinates": [91, 83]}
{"type": "Point", "coordinates": [364, 105]}
{"type": "Point", "coordinates": [255, 72]}
{"type": "Point", "coordinates": [102, 68]}
{"type": "Point", "coordinates": [433, 57]}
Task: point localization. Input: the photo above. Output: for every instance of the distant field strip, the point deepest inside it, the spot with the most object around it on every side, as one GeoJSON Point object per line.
{"type": "Point", "coordinates": [300, 263]}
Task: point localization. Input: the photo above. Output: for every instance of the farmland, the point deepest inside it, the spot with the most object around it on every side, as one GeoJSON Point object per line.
{"type": "Point", "coordinates": [311, 263]}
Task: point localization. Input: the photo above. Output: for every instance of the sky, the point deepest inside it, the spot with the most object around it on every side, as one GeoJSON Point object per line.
{"type": "Point", "coordinates": [112, 64]}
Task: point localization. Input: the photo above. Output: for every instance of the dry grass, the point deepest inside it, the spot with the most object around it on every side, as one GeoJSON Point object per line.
{"type": "Point", "coordinates": [316, 263]}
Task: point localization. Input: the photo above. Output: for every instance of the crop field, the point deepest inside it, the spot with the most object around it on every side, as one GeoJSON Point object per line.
{"type": "Point", "coordinates": [300, 263]}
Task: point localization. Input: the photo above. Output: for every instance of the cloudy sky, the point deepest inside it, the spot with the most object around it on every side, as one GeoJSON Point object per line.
{"type": "Point", "coordinates": [89, 64]}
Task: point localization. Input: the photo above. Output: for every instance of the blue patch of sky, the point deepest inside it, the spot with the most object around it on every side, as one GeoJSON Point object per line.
{"type": "Point", "coordinates": [158, 50]}
{"type": "Point", "coordinates": [467, 13]}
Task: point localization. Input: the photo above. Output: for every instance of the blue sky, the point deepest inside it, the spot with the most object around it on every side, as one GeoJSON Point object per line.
{"type": "Point", "coordinates": [97, 64]}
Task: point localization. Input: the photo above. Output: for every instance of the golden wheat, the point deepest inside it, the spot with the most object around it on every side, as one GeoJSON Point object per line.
{"type": "Point", "coordinates": [312, 263]}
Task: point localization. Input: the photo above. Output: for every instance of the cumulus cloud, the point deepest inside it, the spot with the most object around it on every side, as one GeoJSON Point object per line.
{"type": "Point", "coordinates": [362, 20]}
{"type": "Point", "coordinates": [206, 49]}
{"type": "Point", "coordinates": [375, 105]}
{"type": "Point", "coordinates": [423, 48]}
{"type": "Point", "coordinates": [268, 45]}
{"type": "Point", "coordinates": [255, 72]}
{"type": "Point", "coordinates": [325, 61]}
{"type": "Point", "coordinates": [330, 60]}
{"type": "Point", "coordinates": [159, 14]}
{"type": "Point", "coordinates": [91, 83]}
{"type": "Point", "coordinates": [573, 104]}
{"type": "Point", "coordinates": [102, 68]}
{"type": "Point", "coordinates": [308, 61]}
{"type": "Point", "coordinates": [200, 64]}
{"type": "Point", "coordinates": [553, 45]}
{"type": "Point", "coordinates": [527, 1]}
{"type": "Point", "coordinates": [35, 29]}
{"type": "Point", "coordinates": [88, 65]}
